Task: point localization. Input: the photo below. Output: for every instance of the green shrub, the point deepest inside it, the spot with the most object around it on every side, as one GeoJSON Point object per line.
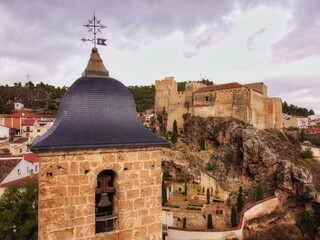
{"type": "Point", "coordinates": [175, 128]}
{"type": "Point", "coordinates": [208, 196]}
{"type": "Point", "coordinates": [174, 137]}
{"type": "Point", "coordinates": [210, 167]}
{"type": "Point", "coordinates": [166, 173]}
{"type": "Point", "coordinates": [184, 223]}
{"type": "Point", "coordinates": [307, 222]}
{"type": "Point", "coordinates": [307, 153]}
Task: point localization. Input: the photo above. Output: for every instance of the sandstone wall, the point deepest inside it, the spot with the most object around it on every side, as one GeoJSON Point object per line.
{"type": "Point", "coordinates": [273, 111]}
{"type": "Point", "coordinates": [256, 110]}
{"type": "Point", "coordinates": [209, 182]}
{"type": "Point", "coordinates": [258, 87]}
{"type": "Point", "coordinates": [67, 183]}
{"type": "Point", "coordinates": [240, 104]}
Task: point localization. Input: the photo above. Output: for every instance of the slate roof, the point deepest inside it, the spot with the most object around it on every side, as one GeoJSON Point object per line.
{"type": "Point", "coordinates": [219, 87]}
{"type": "Point", "coordinates": [97, 112]}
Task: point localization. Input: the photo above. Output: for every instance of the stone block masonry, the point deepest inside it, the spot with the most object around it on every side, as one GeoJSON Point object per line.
{"type": "Point", "coordinates": [67, 184]}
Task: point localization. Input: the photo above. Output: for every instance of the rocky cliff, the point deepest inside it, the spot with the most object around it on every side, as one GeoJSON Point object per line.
{"type": "Point", "coordinates": [243, 153]}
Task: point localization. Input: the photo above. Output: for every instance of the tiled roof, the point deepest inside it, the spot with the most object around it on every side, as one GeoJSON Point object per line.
{"type": "Point", "coordinates": [28, 122]}
{"type": "Point", "coordinates": [6, 167]}
{"type": "Point", "coordinates": [20, 180]}
{"type": "Point", "coordinates": [31, 157]}
{"type": "Point", "coordinates": [23, 113]}
{"type": "Point", "coordinates": [312, 130]}
{"type": "Point", "coordinates": [219, 87]}
{"type": "Point", "coordinates": [20, 140]}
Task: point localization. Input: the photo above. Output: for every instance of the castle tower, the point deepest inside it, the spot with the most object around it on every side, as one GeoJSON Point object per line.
{"type": "Point", "coordinates": [100, 168]}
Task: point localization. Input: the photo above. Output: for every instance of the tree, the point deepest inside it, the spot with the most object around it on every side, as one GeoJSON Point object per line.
{"type": "Point", "coordinates": [184, 223]}
{"type": "Point", "coordinates": [260, 192]}
{"type": "Point", "coordinates": [164, 192]}
{"type": "Point", "coordinates": [208, 196]}
{"type": "Point", "coordinates": [307, 221]}
{"type": "Point", "coordinates": [203, 143]}
{"type": "Point", "coordinates": [203, 190]}
{"type": "Point", "coordinates": [240, 200]}
{"type": "Point", "coordinates": [234, 217]}
{"type": "Point", "coordinates": [210, 225]}
{"type": "Point", "coordinates": [175, 127]}
{"type": "Point", "coordinates": [174, 137]}
{"type": "Point", "coordinates": [19, 211]}
{"type": "Point", "coordinates": [302, 136]}
{"type": "Point", "coordinates": [185, 189]}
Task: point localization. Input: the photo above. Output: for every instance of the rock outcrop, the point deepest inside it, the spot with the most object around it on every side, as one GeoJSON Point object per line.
{"type": "Point", "coordinates": [243, 152]}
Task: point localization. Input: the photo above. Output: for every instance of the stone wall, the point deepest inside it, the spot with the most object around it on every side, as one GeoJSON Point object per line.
{"type": "Point", "coordinates": [67, 183]}
{"type": "Point", "coordinates": [260, 208]}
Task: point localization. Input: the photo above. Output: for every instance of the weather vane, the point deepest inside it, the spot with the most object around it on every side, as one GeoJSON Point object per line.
{"type": "Point", "coordinates": [95, 27]}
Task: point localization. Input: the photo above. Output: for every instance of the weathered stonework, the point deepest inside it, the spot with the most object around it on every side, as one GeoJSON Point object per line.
{"type": "Point", "coordinates": [248, 103]}
{"type": "Point", "coordinates": [67, 183]}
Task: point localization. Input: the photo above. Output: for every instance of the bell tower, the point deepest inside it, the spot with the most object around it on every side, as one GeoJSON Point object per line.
{"type": "Point", "coordinates": [100, 168]}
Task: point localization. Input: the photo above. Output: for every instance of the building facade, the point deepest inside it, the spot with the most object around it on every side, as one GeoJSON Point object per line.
{"type": "Point", "coordinates": [248, 103]}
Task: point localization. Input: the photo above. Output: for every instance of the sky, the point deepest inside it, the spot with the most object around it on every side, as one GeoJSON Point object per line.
{"type": "Point", "coordinates": [272, 41]}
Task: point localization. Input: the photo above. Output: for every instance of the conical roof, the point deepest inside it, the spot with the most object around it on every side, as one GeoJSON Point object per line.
{"type": "Point", "coordinates": [97, 111]}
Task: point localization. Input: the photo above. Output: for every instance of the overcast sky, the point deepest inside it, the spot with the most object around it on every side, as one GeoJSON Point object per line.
{"type": "Point", "coordinates": [277, 42]}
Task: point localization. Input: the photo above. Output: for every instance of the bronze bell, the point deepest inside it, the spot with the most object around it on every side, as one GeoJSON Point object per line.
{"type": "Point", "coordinates": [104, 200]}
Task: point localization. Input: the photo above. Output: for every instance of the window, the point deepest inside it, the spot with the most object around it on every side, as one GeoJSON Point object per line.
{"type": "Point", "coordinates": [36, 168]}
{"type": "Point", "coordinates": [28, 129]}
{"type": "Point", "coordinates": [207, 98]}
{"type": "Point", "coordinates": [38, 130]}
{"type": "Point", "coordinates": [105, 200]}
{"type": "Point", "coordinates": [19, 173]}
{"type": "Point", "coordinates": [20, 150]}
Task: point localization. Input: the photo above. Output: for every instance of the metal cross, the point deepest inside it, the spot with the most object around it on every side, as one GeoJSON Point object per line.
{"type": "Point", "coordinates": [94, 26]}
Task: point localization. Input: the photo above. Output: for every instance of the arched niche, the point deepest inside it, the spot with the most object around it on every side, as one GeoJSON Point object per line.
{"type": "Point", "coordinates": [106, 202]}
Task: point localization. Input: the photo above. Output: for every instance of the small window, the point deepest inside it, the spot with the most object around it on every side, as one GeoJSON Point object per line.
{"type": "Point", "coordinates": [19, 173]}
{"type": "Point", "coordinates": [207, 98]}
{"type": "Point", "coordinates": [36, 168]}
{"type": "Point", "coordinates": [20, 150]}
{"type": "Point", "coordinates": [27, 169]}
{"type": "Point", "coordinates": [38, 130]}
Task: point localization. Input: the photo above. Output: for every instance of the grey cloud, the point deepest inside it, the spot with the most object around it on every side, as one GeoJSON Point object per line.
{"type": "Point", "coordinates": [251, 39]}
{"type": "Point", "coordinates": [303, 39]}
{"type": "Point", "coordinates": [302, 91]}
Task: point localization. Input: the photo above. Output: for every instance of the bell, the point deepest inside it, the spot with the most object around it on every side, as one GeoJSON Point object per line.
{"type": "Point", "coordinates": [104, 200]}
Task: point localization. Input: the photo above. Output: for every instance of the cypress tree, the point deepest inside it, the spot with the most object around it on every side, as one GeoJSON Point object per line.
{"type": "Point", "coordinates": [164, 192]}
{"type": "Point", "coordinates": [184, 223]}
{"type": "Point", "coordinates": [203, 190]}
{"type": "Point", "coordinates": [260, 192]}
{"type": "Point", "coordinates": [174, 137]}
{"type": "Point", "coordinates": [175, 127]}
{"type": "Point", "coordinates": [210, 226]}
{"type": "Point", "coordinates": [185, 189]}
{"type": "Point", "coordinates": [208, 196]}
{"type": "Point", "coordinates": [203, 143]}
{"type": "Point", "coordinates": [240, 200]}
{"type": "Point", "coordinates": [233, 217]}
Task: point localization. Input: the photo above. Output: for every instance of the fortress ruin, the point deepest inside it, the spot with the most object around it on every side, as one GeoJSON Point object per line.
{"type": "Point", "coordinates": [247, 102]}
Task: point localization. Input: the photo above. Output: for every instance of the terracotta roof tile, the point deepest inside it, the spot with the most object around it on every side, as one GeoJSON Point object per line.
{"type": "Point", "coordinates": [28, 122]}
{"type": "Point", "coordinates": [220, 87]}
{"type": "Point", "coordinates": [20, 140]}
{"type": "Point", "coordinates": [23, 113]}
{"type": "Point", "coordinates": [31, 157]}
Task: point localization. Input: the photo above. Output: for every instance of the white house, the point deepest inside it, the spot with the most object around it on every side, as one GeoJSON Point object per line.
{"type": "Point", "coordinates": [18, 106]}
{"type": "Point", "coordinates": [6, 132]}
{"type": "Point", "coordinates": [28, 165]}
{"type": "Point", "coordinates": [295, 121]}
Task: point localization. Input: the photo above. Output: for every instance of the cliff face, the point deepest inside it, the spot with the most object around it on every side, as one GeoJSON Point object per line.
{"type": "Point", "coordinates": [241, 152]}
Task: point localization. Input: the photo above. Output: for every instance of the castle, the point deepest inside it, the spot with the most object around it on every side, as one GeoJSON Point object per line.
{"type": "Point", "coordinates": [247, 102]}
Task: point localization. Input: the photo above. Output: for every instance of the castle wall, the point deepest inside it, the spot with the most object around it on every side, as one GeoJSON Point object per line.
{"type": "Point", "coordinates": [273, 111]}
{"type": "Point", "coordinates": [240, 104]}
{"type": "Point", "coordinates": [256, 109]}
{"type": "Point", "coordinates": [67, 183]}
{"type": "Point", "coordinates": [258, 87]}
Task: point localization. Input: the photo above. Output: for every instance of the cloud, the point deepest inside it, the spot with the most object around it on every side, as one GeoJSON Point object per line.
{"type": "Point", "coordinates": [251, 39]}
{"type": "Point", "coordinates": [302, 91]}
{"type": "Point", "coordinates": [302, 39]}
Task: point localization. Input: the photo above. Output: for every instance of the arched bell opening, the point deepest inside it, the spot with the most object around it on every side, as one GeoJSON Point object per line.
{"type": "Point", "coordinates": [106, 211]}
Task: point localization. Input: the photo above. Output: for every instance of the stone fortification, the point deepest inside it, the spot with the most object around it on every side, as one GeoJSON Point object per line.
{"type": "Point", "coordinates": [248, 103]}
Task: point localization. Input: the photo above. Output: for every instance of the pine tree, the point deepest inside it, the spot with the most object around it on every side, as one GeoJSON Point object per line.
{"type": "Point", "coordinates": [203, 143]}
{"type": "Point", "coordinates": [233, 217]}
{"type": "Point", "coordinates": [260, 192]}
{"type": "Point", "coordinates": [210, 225]}
{"type": "Point", "coordinates": [208, 196]}
{"type": "Point", "coordinates": [164, 192]}
{"type": "Point", "coordinates": [240, 200]}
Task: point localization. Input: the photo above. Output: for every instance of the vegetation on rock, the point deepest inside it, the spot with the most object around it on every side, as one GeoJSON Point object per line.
{"type": "Point", "coordinates": [294, 110]}
{"type": "Point", "coordinates": [240, 200]}
{"type": "Point", "coordinates": [307, 153]}
{"type": "Point", "coordinates": [210, 225]}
